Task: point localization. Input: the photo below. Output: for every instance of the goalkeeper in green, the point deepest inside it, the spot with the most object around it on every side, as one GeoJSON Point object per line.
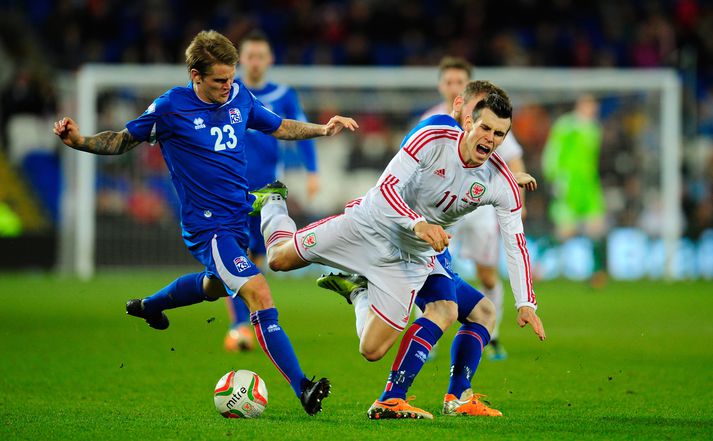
{"type": "Point", "coordinates": [570, 162]}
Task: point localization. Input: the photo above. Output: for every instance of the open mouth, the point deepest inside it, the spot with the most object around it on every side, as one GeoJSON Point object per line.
{"type": "Point", "coordinates": [482, 149]}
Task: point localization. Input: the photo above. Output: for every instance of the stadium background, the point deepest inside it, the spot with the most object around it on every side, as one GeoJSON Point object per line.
{"type": "Point", "coordinates": [629, 361]}
{"type": "Point", "coordinates": [45, 43]}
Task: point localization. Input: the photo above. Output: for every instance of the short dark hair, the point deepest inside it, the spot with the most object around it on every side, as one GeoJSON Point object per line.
{"type": "Point", "coordinates": [256, 35]}
{"type": "Point", "coordinates": [497, 103]}
{"type": "Point", "coordinates": [454, 63]}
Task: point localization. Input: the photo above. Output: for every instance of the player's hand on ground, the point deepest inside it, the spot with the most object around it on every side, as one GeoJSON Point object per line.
{"type": "Point", "coordinates": [526, 315]}
{"type": "Point", "coordinates": [435, 235]}
{"type": "Point", "coordinates": [339, 123]}
{"type": "Point", "coordinates": [68, 131]}
{"type": "Point", "coordinates": [526, 181]}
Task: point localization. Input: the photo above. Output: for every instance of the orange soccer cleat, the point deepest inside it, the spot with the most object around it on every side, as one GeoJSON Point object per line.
{"type": "Point", "coordinates": [239, 339]}
{"type": "Point", "coordinates": [396, 408]}
{"type": "Point", "coordinates": [471, 406]}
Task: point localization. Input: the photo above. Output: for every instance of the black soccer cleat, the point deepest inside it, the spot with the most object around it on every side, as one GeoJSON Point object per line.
{"type": "Point", "coordinates": [158, 321]}
{"type": "Point", "coordinates": [313, 392]}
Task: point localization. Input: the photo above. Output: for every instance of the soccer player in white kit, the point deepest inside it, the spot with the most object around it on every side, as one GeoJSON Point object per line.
{"type": "Point", "coordinates": [393, 234]}
{"type": "Point", "coordinates": [478, 232]}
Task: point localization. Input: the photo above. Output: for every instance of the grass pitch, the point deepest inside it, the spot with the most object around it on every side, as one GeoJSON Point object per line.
{"type": "Point", "coordinates": [632, 361]}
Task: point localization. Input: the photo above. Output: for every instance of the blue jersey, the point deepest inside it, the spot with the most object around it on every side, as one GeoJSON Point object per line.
{"type": "Point", "coordinates": [435, 120]}
{"type": "Point", "coordinates": [204, 146]}
{"type": "Point", "coordinates": [264, 153]}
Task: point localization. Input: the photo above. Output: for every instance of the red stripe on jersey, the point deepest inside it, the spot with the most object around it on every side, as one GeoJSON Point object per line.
{"type": "Point", "coordinates": [502, 168]}
{"type": "Point", "coordinates": [353, 202]}
{"type": "Point", "coordinates": [472, 334]}
{"type": "Point", "coordinates": [423, 138]}
{"type": "Point", "coordinates": [392, 197]}
{"type": "Point", "coordinates": [522, 244]}
{"type": "Point", "coordinates": [386, 319]}
{"type": "Point", "coordinates": [318, 223]}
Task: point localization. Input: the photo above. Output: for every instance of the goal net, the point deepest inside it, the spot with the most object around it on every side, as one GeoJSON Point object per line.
{"type": "Point", "coordinates": [121, 211]}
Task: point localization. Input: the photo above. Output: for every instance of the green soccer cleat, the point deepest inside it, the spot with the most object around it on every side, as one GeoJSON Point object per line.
{"type": "Point", "coordinates": [496, 351]}
{"type": "Point", "coordinates": [262, 194]}
{"type": "Point", "coordinates": [342, 284]}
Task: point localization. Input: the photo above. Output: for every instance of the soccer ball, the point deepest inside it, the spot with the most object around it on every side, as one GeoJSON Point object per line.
{"type": "Point", "coordinates": [240, 394]}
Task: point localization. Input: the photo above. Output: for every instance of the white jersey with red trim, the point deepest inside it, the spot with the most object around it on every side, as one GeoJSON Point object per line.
{"type": "Point", "coordinates": [428, 180]}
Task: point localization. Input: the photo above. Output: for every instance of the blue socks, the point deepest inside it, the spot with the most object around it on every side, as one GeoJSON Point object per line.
{"type": "Point", "coordinates": [413, 353]}
{"type": "Point", "coordinates": [274, 342]}
{"type": "Point", "coordinates": [466, 351]}
{"type": "Point", "coordinates": [239, 312]}
{"type": "Point", "coordinates": [185, 290]}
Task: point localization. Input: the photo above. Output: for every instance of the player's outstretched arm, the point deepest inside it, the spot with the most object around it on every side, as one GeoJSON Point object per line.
{"type": "Point", "coordinates": [527, 315]}
{"type": "Point", "coordinates": [103, 143]}
{"type": "Point", "coordinates": [291, 129]}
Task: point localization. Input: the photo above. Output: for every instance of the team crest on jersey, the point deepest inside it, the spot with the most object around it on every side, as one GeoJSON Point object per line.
{"type": "Point", "coordinates": [199, 123]}
{"type": "Point", "coordinates": [241, 263]}
{"type": "Point", "coordinates": [477, 190]}
{"type": "Point", "coordinates": [235, 116]}
{"type": "Point", "coordinates": [309, 240]}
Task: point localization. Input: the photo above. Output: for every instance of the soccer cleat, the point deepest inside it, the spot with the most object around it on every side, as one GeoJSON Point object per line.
{"type": "Point", "coordinates": [496, 351]}
{"type": "Point", "coordinates": [471, 406]}
{"type": "Point", "coordinates": [240, 339]}
{"type": "Point", "coordinates": [262, 194]}
{"type": "Point", "coordinates": [313, 392]}
{"type": "Point", "coordinates": [342, 284]}
{"type": "Point", "coordinates": [135, 307]}
{"type": "Point", "coordinates": [396, 408]}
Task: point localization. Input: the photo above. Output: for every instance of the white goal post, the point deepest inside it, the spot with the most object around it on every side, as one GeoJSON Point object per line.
{"type": "Point", "coordinates": [77, 234]}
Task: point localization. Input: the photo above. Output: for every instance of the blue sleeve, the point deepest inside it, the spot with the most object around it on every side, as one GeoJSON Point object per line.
{"type": "Point", "coordinates": [144, 128]}
{"type": "Point", "coordinates": [261, 118]}
{"type": "Point", "coordinates": [306, 148]}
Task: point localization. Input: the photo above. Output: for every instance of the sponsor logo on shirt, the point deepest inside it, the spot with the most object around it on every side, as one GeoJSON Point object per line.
{"type": "Point", "coordinates": [199, 123]}
{"type": "Point", "coordinates": [441, 172]}
{"type": "Point", "coordinates": [241, 263]}
{"type": "Point", "coordinates": [235, 116]}
{"type": "Point", "coordinates": [309, 240]}
{"type": "Point", "coordinates": [477, 190]}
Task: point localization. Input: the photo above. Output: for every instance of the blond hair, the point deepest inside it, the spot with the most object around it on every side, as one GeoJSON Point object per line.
{"type": "Point", "coordinates": [209, 48]}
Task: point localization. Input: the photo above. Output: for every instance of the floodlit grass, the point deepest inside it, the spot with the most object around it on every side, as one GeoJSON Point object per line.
{"type": "Point", "coordinates": [631, 361]}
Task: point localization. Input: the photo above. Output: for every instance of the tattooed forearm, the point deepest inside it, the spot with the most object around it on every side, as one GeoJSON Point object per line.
{"type": "Point", "coordinates": [292, 129]}
{"type": "Point", "coordinates": [109, 143]}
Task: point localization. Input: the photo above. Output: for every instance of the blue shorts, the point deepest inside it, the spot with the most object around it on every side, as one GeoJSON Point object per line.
{"type": "Point", "coordinates": [223, 254]}
{"type": "Point", "coordinates": [440, 287]}
{"type": "Point", "coordinates": [257, 242]}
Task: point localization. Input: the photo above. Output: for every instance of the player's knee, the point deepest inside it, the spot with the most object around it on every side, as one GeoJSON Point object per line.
{"type": "Point", "coordinates": [280, 259]}
{"type": "Point", "coordinates": [443, 313]}
{"type": "Point", "coordinates": [371, 352]}
{"type": "Point", "coordinates": [484, 313]}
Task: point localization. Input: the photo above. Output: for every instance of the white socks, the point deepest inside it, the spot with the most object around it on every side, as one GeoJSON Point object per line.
{"type": "Point", "coordinates": [360, 300]}
{"type": "Point", "coordinates": [496, 296]}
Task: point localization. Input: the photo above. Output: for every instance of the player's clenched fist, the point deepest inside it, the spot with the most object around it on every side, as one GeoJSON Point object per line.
{"type": "Point", "coordinates": [435, 235]}
{"type": "Point", "coordinates": [68, 131]}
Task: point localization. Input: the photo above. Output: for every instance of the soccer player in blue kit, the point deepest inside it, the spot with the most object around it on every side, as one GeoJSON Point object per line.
{"type": "Point", "coordinates": [201, 128]}
{"type": "Point", "coordinates": [265, 154]}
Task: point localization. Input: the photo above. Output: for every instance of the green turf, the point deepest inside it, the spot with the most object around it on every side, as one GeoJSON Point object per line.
{"type": "Point", "coordinates": [632, 361]}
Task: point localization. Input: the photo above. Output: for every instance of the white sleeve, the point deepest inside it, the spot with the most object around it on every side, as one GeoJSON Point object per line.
{"type": "Point", "coordinates": [508, 208]}
{"type": "Point", "coordinates": [388, 201]}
